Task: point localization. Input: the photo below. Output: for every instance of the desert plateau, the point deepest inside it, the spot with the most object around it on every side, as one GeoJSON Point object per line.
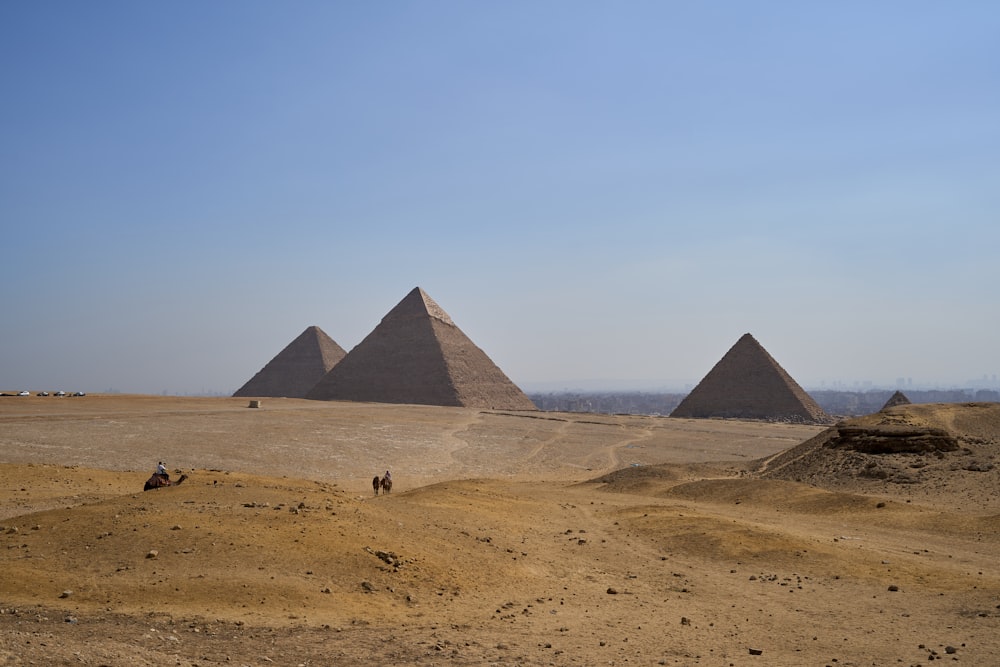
{"type": "Point", "coordinates": [509, 538]}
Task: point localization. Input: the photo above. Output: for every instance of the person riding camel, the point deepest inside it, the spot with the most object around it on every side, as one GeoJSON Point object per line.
{"type": "Point", "coordinates": [161, 470]}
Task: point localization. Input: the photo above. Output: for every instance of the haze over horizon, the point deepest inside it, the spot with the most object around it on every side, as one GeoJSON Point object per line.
{"type": "Point", "coordinates": [590, 190]}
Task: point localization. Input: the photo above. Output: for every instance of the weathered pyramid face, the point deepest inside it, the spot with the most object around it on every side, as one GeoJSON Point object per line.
{"type": "Point", "coordinates": [418, 355]}
{"type": "Point", "coordinates": [297, 368]}
{"type": "Point", "coordinates": [748, 383]}
{"type": "Point", "coordinates": [899, 398]}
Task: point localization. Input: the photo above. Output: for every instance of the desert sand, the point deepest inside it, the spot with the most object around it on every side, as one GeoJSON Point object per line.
{"type": "Point", "coordinates": [510, 538]}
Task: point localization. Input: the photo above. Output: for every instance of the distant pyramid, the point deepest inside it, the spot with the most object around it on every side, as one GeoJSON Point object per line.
{"type": "Point", "coordinates": [899, 398]}
{"type": "Point", "coordinates": [297, 368]}
{"type": "Point", "coordinates": [748, 383]}
{"type": "Point", "coordinates": [417, 355]}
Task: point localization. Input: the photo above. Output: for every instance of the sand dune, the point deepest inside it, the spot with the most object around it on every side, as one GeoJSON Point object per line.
{"type": "Point", "coordinates": [510, 539]}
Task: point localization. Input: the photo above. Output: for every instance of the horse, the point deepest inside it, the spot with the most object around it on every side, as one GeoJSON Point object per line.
{"type": "Point", "coordinates": [158, 481]}
{"type": "Point", "coordinates": [376, 482]}
{"type": "Point", "coordinates": [386, 485]}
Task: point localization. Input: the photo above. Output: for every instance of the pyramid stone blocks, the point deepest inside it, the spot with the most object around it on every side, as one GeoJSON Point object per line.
{"type": "Point", "coordinates": [297, 368]}
{"type": "Point", "coordinates": [418, 355]}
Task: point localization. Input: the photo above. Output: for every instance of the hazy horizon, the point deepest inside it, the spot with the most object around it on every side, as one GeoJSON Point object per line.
{"type": "Point", "coordinates": [590, 190]}
{"type": "Point", "coordinates": [606, 385]}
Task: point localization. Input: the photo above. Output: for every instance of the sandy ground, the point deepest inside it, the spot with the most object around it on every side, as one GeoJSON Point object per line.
{"type": "Point", "coordinates": [509, 539]}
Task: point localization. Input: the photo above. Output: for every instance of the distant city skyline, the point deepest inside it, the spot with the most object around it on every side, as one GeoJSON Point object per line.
{"type": "Point", "coordinates": [612, 385]}
{"type": "Point", "coordinates": [591, 190]}
{"type": "Point", "coordinates": [625, 385]}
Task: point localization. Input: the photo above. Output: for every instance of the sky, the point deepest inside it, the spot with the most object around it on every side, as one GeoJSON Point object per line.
{"type": "Point", "coordinates": [600, 194]}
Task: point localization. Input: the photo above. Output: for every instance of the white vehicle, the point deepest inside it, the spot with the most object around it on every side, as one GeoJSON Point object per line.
{"type": "Point", "coordinates": [24, 393]}
{"type": "Point", "coordinates": [60, 393]}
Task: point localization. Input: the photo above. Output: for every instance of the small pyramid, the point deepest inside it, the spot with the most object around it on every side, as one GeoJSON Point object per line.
{"type": "Point", "coordinates": [418, 355]}
{"type": "Point", "coordinates": [297, 368]}
{"type": "Point", "coordinates": [899, 398]}
{"type": "Point", "coordinates": [747, 383]}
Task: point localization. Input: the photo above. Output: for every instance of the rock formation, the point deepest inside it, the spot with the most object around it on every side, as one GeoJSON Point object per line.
{"type": "Point", "coordinates": [891, 439]}
{"type": "Point", "coordinates": [297, 368]}
{"type": "Point", "coordinates": [747, 383]}
{"type": "Point", "coordinates": [418, 355]}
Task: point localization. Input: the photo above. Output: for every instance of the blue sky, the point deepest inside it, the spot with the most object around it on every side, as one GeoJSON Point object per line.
{"type": "Point", "coordinates": [594, 191]}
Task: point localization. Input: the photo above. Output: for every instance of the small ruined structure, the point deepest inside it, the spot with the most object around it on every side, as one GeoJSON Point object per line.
{"type": "Point", "coordinates": [418, 355]}
{"type": "Point", "coordinates": [899, 398]}
{"type": "Point", "coordinates": [747, 383]}
{"type": "Point", "coordinates": [297, 368]}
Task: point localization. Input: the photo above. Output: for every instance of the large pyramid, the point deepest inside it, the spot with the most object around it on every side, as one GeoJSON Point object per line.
{"type": "Point", "coordinates": [748, 383]}
{"type": "Point", "coordinates": [417, 355]}
{"type": "Point", "coordinates": [297, 368]}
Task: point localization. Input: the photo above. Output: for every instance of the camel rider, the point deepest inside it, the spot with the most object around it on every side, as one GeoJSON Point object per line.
{"type": "Point", "coordinates": [388, 476]}
{"type": "Point", "coordinates": [161, 470]}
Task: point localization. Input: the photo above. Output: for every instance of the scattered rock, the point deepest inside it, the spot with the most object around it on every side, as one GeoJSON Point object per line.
{"type": "Point", "coordinates": [152, 553]}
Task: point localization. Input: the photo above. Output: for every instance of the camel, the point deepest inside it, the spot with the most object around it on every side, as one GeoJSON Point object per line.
{"type": "Point", "coordinates": [376, 482]}
{"type": "Point", "coordinates": [158, 481]}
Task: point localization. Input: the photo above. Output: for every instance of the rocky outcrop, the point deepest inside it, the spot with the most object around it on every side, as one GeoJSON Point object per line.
{"type": "Point", "coordinates": [892, 439]}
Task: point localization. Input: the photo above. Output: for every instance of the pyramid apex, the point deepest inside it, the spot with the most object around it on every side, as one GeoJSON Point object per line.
{"type": "Point", "coordinates": [418, 303]}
